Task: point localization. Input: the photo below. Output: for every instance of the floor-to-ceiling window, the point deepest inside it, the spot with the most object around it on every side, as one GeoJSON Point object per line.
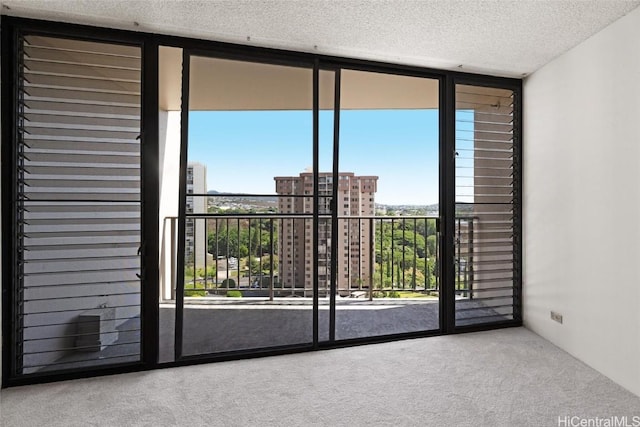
{"type": "Point", "coordinates": [303, 201]}
{"type": "Point", "coordinates": [487, 197]}
{"type": "Point", "coordinates": [76, 282]}
{"type": "Point", "coordinates": [288, 228]}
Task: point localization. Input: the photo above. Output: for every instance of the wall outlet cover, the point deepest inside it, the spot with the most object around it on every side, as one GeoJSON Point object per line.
{"type": "Point", "coordinates": [556, 316]}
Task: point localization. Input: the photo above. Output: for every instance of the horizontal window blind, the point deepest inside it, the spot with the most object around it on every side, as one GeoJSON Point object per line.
{"type": "Point", "coordinates": [78, 206]}
{"type": "Point", "coordinates": [487, 200]}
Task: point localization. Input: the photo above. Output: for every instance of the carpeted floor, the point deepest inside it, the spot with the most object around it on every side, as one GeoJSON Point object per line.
{"type": "Point", "coordinates": [508, 377]}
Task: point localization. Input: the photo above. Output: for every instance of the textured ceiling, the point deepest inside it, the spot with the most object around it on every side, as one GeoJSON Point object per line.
{"type": "Point", "coordinates": [508, 38]}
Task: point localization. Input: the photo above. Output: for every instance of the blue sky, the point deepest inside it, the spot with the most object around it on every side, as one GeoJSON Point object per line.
{"type": "Point", "coordinates": [244, 150]}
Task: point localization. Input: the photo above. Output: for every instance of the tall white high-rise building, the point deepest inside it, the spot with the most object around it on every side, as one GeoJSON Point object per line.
{"type": "Point", "coordinates": [195, 237]}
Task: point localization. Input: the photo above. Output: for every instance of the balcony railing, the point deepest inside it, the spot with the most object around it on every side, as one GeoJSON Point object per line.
{"type": "Point", "coordinates": [271, 256]}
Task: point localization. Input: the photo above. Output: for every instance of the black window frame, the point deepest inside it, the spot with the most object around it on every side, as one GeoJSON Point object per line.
{"type": "Point", "coordinates": [12, 27]}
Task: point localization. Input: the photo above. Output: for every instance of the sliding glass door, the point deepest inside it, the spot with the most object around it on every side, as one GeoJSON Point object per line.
{"type": "Point", "coordinates": [302, 228]}
{"type": "Point", "coordinates": [386, 205]}
{"type": "Point", "coordinates": [246, 278]}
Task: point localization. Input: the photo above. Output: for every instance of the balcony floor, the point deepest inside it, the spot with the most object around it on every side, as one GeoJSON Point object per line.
{"type": "Point", "coordinates": [214, 325]}
{"type": "Point", "coordinates": [220, 324]}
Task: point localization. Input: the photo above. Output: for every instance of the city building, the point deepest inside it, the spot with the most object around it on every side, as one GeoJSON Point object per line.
{"type": "Point", "coordinates": [195, 237]}
{"type": "Point", "coordinates": [355, 204]}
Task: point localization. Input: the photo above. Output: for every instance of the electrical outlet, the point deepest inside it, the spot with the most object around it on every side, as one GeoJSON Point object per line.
{"type": "Point", "coordinates": [556, 316]}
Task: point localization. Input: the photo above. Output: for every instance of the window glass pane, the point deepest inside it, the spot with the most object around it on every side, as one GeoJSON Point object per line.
{"type": "Point", "coordinates": [388, 257]}
{"type": "Point", "coordinates": [249, 193]}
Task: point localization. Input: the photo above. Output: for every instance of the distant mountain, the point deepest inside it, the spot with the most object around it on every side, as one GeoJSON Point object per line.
{"type": "Point", "coordinates": [242, 197]}
{"type": "Point", "coordinates": [433, 207]}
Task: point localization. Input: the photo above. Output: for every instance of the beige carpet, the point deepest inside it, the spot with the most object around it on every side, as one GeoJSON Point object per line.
{"type": "Point", "coordinates": [509, 377]}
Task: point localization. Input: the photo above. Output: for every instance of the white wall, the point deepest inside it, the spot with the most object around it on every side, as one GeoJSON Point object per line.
{"type": "Point", "coordinates": [582, 201]}
{"type": "Point", "coordinates": [169, 191]}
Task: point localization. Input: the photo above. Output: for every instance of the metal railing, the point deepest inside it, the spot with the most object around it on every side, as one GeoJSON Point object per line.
{"type": "Point", "coordinates": [271, 256]}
